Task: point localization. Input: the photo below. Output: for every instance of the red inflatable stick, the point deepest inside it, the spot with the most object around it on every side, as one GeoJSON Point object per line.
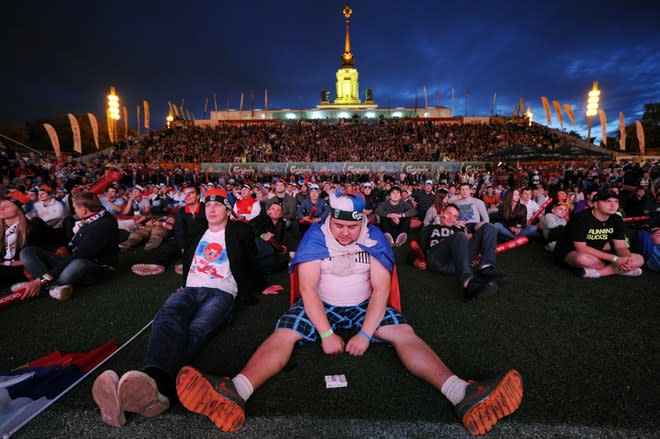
{"type": "Point", "coordinates": [99, 186]}
{"type": "Point", "coordinates": [636, 219]}
{"type": "Point", "coordinates": [541, 210]}
{"type": "Point", "coordinates": [418, 251]}
{"type": "Point", "coordinates": [304, 219]}
{"type": "Point", "coordinates": [508, 245]}
{"type": "Point", "coordinates": [15, 295]}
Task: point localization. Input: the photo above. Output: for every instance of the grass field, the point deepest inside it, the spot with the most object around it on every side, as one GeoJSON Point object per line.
{"type": "Point", "coordinates": [588, 350]}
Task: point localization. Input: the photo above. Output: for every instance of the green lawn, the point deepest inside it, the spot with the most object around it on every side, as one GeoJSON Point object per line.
{"type": "Point", "coordinates": [588, 350]}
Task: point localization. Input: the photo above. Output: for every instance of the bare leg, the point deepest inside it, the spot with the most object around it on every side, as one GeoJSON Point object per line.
{"type": "Point", "coordinates": [271, 356]}
{"type": "Point", "coordinates": [415, 354]}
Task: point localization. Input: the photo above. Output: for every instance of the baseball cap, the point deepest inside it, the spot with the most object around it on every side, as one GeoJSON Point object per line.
{"type": "Point", "coordinates": [605, 195]}
{"type": "Point", "coordinates": [347, 207]}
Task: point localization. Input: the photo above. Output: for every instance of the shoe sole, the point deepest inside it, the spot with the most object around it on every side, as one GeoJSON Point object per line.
{"type": "Point", "coordinates": [106, 397]}
{"type": "Point", "coordinates": [139, 394]}
{"type": "Point", "coordinates": [198, 395]}
{"type": "Point", "coordinates": [502, 401]}
{"type": "Point", "coordinates": [147, 269]}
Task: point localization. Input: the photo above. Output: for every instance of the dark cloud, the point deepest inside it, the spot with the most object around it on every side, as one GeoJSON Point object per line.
{"type": "Point", "coordinates": [63, 57]}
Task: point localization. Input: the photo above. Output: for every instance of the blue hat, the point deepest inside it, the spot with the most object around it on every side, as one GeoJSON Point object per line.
{"type": "Point", "coordinates": [347, 208]}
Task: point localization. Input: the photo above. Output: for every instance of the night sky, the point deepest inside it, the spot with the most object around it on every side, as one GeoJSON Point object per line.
{"type": "Point", "coordinates": [61, 57]}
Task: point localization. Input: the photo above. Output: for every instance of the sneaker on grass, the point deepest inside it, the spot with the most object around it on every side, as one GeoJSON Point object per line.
{"type": "Point", "coordinates": [590, 273]}
{"type": "Point", "coordinates": [147, 269]}
{"type": "Point", "coordinates": [488, 401]}
{"type": "Point", "coordinates": [401, 239]}
{"type": "Point", "coordinates": [214, 397]}
{"type": "Point", "coordinates": [106, 397]}
{"type": "Point", "coordinates": [61, 292]}
{"type": "Point", "coordinates": [632, 273]}
{"type": "Point", "coordinates": [389, 239]}
{"type": "Point", "coordinates": [138, 393]}
{"type": "Point", "coordinates": [479, 287]}
{"type": "Point", "coordinates": [178, 269]}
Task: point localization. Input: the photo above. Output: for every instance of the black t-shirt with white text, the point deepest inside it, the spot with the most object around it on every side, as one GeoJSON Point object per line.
{"type": "Point", "coordinates": [584, 227]}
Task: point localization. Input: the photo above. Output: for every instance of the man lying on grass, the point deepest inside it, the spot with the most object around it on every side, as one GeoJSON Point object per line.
{"type": "Point", "coordinates": [345, 269]}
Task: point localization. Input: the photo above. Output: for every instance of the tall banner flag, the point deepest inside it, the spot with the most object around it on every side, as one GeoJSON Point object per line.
{"type": "Point", "coordinates": [546, 107]}
{"type": "Point", "coordinates": [146, 114]}
{"type": "Point", "coordinates": [569, 112]}
{"type": "Point", "coordinates": [426, 99]}
{"type": "Point", "coordinates": [138, 120]}
{"type": "Point", "coordinates": [622, 129]}
{"type": "Point", "coordinates": [125, 123]}
{"type": "Point", "coordinates": [494, 102]}
{"type": "Point", "coordinates": [266, 102]}
{"type": "Point", "coordinates": [30, 389]}
{"type": "Point", "coordinates": [640, 136]}
{"type": "Point", "coordinates": [215, 102]}
{"type": "Point", "coordinates": [603, 124]}
{"type": "Point", "coordinates": [206, 105]}
{"type": "Point", "coordinates": [75, 128]}
{"type": "Point", "coordinates": [560, 117]}
{"type": "Point", "coordinates": [522, 106]}
{"type": "Point", "coordinates": [53, 139]}
{"type": "Point", "coordinates": [95, 128]}
{"type": "Point", "coordinates": [437, 94]}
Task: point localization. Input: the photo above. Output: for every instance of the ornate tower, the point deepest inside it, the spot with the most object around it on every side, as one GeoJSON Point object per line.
{"type": "Point", "coordinates": [348, 89]}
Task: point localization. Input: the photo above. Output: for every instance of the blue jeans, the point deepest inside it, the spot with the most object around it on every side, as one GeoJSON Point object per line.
{"type": "Point", "coordinates": [454, 254]}
{"type": "Point", "coordinates": [78, 271]}
{"type": "Point", "coordinates": [183, 326]}
{"type": "Point", "coordinates": [525, 231]}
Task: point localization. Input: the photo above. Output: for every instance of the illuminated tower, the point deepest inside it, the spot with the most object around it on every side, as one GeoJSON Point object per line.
{"type": "Point", "coordinates": [348, 89]}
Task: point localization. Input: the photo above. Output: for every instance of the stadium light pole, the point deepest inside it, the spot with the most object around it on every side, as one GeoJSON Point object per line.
{"type": "Point", "coordinates": [592, 107]}
{"type": "Point", "coordinates": [169, 120]}
{"type": "Point", "coordinates": [113, 113]}
{"type": "Point", "coordinates": [529, 115]}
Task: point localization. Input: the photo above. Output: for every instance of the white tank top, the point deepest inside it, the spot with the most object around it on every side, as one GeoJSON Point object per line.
{"type": "Point", "coordinates": [345, 279]}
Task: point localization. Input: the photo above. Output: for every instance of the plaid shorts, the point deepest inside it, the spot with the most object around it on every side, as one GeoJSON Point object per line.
{"type": "Point", "coordinates": [343, 317]}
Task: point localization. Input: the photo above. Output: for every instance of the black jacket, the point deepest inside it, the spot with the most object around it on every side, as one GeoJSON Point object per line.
{"type": "Point", "coordinates": [97, 241]}
{"type": "Point", "coordinates": [241, 251]}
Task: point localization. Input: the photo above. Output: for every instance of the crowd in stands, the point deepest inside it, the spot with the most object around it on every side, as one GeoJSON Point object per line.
{"type": "Point", "coordinates": [395, 140]}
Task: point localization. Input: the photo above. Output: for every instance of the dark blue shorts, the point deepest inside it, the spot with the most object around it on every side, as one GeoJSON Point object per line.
{"type": "Point", "coordinates": [342, 317]}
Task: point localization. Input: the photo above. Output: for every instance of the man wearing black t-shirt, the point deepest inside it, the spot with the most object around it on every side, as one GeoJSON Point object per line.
{"type": "Point", "coordinates": [595, 241]}
{"type": "Point", "coordinates": [449, 250]}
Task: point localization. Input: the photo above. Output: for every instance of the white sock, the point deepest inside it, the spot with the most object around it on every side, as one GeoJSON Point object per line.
{"type": "Point", "coordinates": [243, 386]}
{"type": "Point", "coordinates": [454, 389]}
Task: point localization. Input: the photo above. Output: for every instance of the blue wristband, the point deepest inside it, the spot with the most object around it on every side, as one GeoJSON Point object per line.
{"type": "Point", "coordinates": [365, 335]}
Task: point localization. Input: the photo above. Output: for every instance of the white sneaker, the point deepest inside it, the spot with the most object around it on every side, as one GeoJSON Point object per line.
{"type": "Point", "coordinates": [61, 292]}
{"type": "Point", "coordinates": [401, 239]}
{"type": "Point", "coordinates": [590, 273]}
{"type": "Point", "coordinates": [632, 273]}
{"type": "Point", "coordinates": [551, 246]}
{"type": "Point", "coordinates": [390, 240]}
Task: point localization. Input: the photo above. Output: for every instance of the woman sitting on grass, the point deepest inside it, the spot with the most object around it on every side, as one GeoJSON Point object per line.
{"type": "Point", "coordinates": [512, 217]}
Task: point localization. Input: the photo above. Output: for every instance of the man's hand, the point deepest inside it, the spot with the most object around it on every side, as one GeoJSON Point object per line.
{"type": "Point", "coordinates": [266, 236]}
{"type": "Point", "coordinates": [32, 289]}
{"type": "Point", "coordinates": [332, 344]}
{"type": "Point", "coordinates": [273, 289]}
{"type": "Point", "coordinates": [357, 345]}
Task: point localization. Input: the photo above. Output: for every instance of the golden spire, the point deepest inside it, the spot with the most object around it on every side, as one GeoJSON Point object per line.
{"type": "Point", "coordinates": [347, 58]}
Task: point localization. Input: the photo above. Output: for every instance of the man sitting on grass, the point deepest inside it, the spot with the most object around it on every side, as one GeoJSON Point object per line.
{"type": "Point", "coordinates": [594, 241]}
{"type": "Point", "coordinates": [450, 250]}
{"type": "Point", "coordinates": [220, 266]}
{"type": "Point", "coordinates": [91, 256]}
{"type": "Point", "coordinates": [345, 269]}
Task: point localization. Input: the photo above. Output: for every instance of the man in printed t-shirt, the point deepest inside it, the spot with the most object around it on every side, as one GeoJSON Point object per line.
{"type": "Point", "coordinates": [449, 251]}
{"type": "Point", "coordinates": [595, 241]}
{"type": "Point", "coordinates": [219, 267]}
